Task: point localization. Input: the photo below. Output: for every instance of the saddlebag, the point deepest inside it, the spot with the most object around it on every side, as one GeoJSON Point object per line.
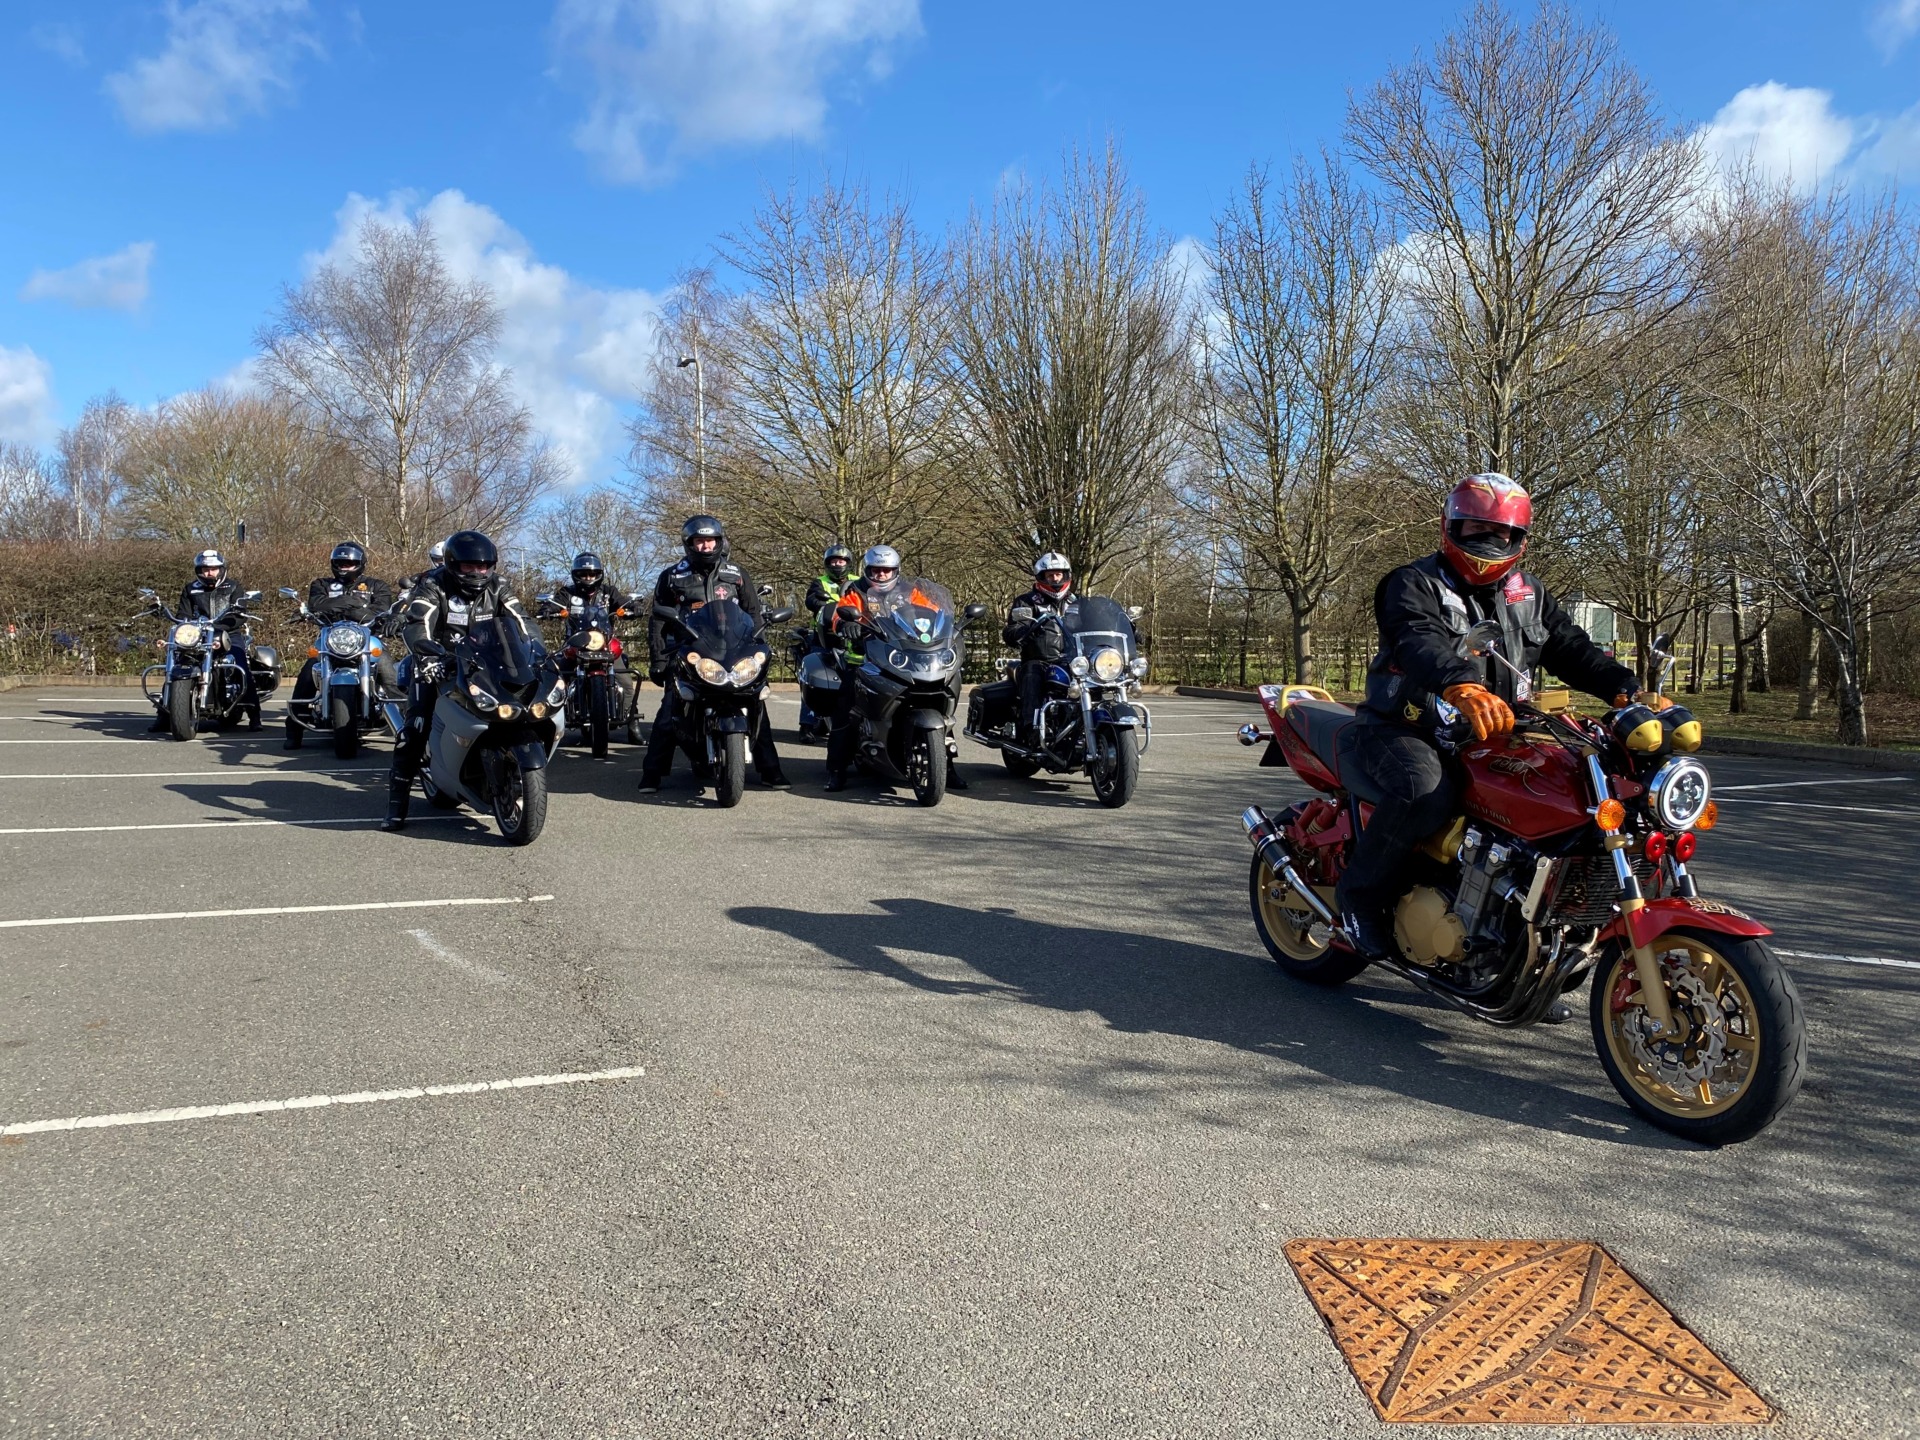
{"type": "Point", "coordinates": [265, 664]}
{"type": "Point", "coordinates": [991, 706]}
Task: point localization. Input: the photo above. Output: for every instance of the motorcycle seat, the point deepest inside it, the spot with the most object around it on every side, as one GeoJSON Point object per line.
{"type": "Point", "coordinates": [1331, 731]}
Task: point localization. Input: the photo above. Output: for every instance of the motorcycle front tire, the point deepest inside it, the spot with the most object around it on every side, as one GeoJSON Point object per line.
{"type": "Point", "coordinates": [730, 782]}
{"type": "Point", "coordinates": [342, 716]}
{"type": "Point", "coordinates": [927, 767]}
{"type": "Point", "coordinates": [180, 719]}
{"type": "Point", "coordinates": [520, 824]}
{"type": "Point", "coordinates": [599, 716]}
{"type": "Point", "coordinates": [1115, 767]}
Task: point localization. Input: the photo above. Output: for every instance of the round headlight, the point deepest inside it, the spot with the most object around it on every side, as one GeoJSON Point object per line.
{"type": "Point", "coordinates": [186, 634]}
{"type": "Point", "coordinates": [946, 657]}
{"type": "Point", "coordinates": [897, 659]}
{"type": "Point", "coordinates": [345, 640]}
{"type": "Point", "coordinates": [1078, 665]}
{"type": "Point", "coordinates": [711, 671]}
{"type": "Point", "coordinates": [1138, 665]}
{"type": "Point", "coordinates": [1107, 665]}
{"type": "Point", "coordinates": [596, 641]}
{"type": "Point", "coordinates": [749, 669]}
{"type": "Point", "coordinates": [1678, 794]}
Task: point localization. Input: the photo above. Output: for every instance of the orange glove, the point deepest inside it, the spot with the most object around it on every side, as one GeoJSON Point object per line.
{"type": "Point", "coordinates": [1489, 715]}
{"type": "Point", "coordinates": [1645, 697]}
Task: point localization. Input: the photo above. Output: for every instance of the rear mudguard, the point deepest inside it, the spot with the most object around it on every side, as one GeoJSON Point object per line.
{"type": "Point", "coordinates": [1657, 917]}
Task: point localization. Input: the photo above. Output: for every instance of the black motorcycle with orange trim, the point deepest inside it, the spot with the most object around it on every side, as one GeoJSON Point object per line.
{"type": "Point", "coordinates": [1569, 865]}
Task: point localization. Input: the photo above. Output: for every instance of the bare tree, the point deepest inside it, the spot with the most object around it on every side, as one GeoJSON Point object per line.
{"type": "Point", "coordinates": [604, 521]}
{"type": "Point", "coordinates": [30, 501]}
{"type": "Point", "coordinates": [1072, 367]}
{"type": "Point", "coordinates": [393, 357]}
{"type": "Point", "coordinates": [85, 464]}
{"type": "Point", "coordinates": [1295, 351]}
{"type": "Point", "coordinates": [1538, 189]}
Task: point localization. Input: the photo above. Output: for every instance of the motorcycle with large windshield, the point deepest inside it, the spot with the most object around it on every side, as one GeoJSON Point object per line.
{"type": "Point", "coordinates": [1568, 863]}
{"type": "Point", "coordinates": [907, 688]}
{"type": "Point", "coordinates": [722, 679]}
{"type": "Point", "coordinates": [819, 681]}
{"type": "Point", "coordinates": [202, 679]}
{"type": "Point", "coordinates": [349, 699]}
{"type": "Point", "coordinates": [1089, 717]}
{"type": "Point", "coordinates": [495, 727]}
{"type": "Point", "coordinates": [596, 704]}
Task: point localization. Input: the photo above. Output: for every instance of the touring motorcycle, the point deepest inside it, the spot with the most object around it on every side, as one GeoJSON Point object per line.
{"type": "Point", "coordinates": [1569, 861]}
{"type": "Point", "coordinates": [1089, 717]}
{"type": "Point", "coordinates": [722, 680]}
{"type": "Point", "coordinates": [596, 702]}
{"type": "Point", "coordinates": [495, 727]}
{"type": "Point", "coordinates": [201, 678]}
{"type": "Point", "coordinates": [907, 688]}
{"type": "Point", "coordinates": [350, 699]}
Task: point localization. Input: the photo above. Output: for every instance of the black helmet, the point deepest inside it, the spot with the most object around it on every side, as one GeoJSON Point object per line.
{"type": "Point", "coordinates": [348, 561]}
{"type": "Point", "coordinates": [703, 527]}
{"type": "Point", "coordinates": [210, 560]}
{"type": "Point", "coordinates": [471, 559]}
{"type": "Point", "coordinates": [587, 569]}
{"type": "Point", "coordinates": [840, 553]}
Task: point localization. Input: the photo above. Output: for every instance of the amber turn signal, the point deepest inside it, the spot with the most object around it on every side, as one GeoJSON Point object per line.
{"type": "Point", "coordinates": [1610, 815]}
{"type": "Point", "coordinates": [1709, 817]}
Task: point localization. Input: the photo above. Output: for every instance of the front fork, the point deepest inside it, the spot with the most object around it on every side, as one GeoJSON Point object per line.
{"type": "Point", "coordinates": [1646, 965]}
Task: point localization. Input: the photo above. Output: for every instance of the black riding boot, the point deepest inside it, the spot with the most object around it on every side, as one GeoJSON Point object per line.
{"type": "Point", "coordinates": [295, 734]}
{"type": "Point", "coordinates": [399, 797]}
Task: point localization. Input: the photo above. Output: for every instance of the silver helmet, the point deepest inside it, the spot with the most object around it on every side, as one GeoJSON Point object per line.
{"type": "Point", "coordinates": [211, 560]}
{"type": "Point", "coordinates": [881, 557]}
{"type": "Point", "coordinates": [437, 552]}
{"type": "Point", "coordinates": [1051, 562]}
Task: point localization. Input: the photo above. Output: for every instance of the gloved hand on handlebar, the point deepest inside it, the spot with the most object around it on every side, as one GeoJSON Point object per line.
{"type": "Point", "coordinates": [1489, 715]}
{"type": "Point", "coordinates": [1647, 698]}
{"type": "Point", "coordinates": [430, 670]}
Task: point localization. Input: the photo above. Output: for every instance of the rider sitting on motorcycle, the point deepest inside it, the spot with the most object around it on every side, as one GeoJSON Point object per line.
{"type": "Point", "coordinates": [348, 593]}
{"type": "Point", "coordinates": [211, 593]}
{"type": "Point", "coordinates": [464, 592]}
{"type": "Point", "coordinates": [822, 595]}
{"type": "Point", "coordinates": [705, 575]}
{"type": "Point", "coordinates": [589, 586]}
{"type": "Point", "coordinates": [846, 626]}
{"type": "Point", "coordinates": [1034, 623]}
{"type": "Point", "coordinates": [1423, 609]}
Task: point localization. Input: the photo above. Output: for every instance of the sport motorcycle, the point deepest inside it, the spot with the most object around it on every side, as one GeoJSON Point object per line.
{"type": "Point", "coordinates": [349, 700]}
{"type": "Point", "coordinates": [1568, 865]}
{"type": "Point", "coordinates": [721, 676]}
{"type": "Point", "coordinates": [201, 679]}
{"type": "Point", "coordinates": [1089, 716]}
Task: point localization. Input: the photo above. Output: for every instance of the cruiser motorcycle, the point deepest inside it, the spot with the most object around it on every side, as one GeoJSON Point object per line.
{"type": "Point", "coordinates": [202, 679]}
{"type": "Point", "coordinates": [722, 679]}
{"type": "Point", "coordinates": [1568, 865]}
{"type": "Point", "coordinates": [907, 688]}
{"type": "Point", "coordinates": [495, 727]}
{"type": "Point", "coordinates": [596, 701]}
{"type": "Point", "coordinates": [349, 699]}
{"type": "Point", "coordinates": [1089, 717]}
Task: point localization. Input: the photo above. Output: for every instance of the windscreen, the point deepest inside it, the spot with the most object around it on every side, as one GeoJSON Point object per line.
{"type": "Point", "coordinates": [915, 614]}
{"type": "Point", "coordinates": [721, 631]}
{"type": "Point", "coordinates": [1097, 623]}
{"type": "Point", "coordinates": [503, 649]}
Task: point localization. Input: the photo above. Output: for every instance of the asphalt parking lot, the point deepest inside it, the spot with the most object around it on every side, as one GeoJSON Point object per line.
{"type": "Point", "coordinates": [989, 1120]}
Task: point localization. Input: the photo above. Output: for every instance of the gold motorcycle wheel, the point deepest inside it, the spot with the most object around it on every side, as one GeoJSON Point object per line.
{"type": "Point", "coordinates": [1294, 936]}
{"type": "Point", "coordinates": [1742, 1055]}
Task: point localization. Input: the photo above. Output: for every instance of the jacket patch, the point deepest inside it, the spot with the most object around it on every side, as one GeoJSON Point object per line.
{"type": "Point", "coordinates": [1516, 588]}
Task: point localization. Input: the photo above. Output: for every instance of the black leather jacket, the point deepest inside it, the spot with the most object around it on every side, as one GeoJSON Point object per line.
{"type": "Point", "coordinates": [435, 618]}
{"type": "Point", "coordinates": [1424, 608]}
{"type": "Point", "coordinates": [682, 587]}
{"type": "Point", "coordinates": [573, 599]}
{"type": "Point", "coordinates": [365, 599]}
{"type": "Point", "coordinates": [1038, 641]}
{"type": "Point", "coordinates": [200, 600]}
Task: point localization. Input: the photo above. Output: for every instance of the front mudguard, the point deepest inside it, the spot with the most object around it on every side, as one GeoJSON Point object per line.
{"type": "Point", "coordinates": [925, 720]}
{"type": "Point", "coordinates": [1648, 923]}
{"type": "Point", "coordinates": [727, 724]}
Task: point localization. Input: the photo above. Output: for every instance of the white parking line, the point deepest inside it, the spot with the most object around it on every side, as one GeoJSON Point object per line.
{"type": "Point", "coordinates": [1813, 805]}
{"type": "Point", "coordinates": [85, 700]}
{"type": "Point", "coordinates": [1849, 959]}
{"type": "Point", "coordinates": [265, 910]}
{"type": "Point", "coordinates": [235, 773]}
{"type": "Point", "coordinates": [91, 740]}
{"type": "Point", "coordinates": [313, 1102]}
{"type": "Point", "coordinates": [1797, 784]}
{"type": "Point", "coordinates": [237, 823]}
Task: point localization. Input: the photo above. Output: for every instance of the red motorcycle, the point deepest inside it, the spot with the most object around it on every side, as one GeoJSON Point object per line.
{"type": "Point", "coordinates": [1569, 861]}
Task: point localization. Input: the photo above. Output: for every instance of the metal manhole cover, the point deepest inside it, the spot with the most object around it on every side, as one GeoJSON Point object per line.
{"type": "Point", "coordinates": [1522, 1332]}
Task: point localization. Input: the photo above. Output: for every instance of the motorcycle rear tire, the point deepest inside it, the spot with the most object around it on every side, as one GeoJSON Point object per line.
{"type": "Point", "coordinates": [180, 717]}
{"type": "Point", "coordinates": [1116, 767]}
{"type": "Point", "coordinates": [731, 781]}
{"type": "Point", "coordinates": [927, 767]}
{"type": "Point", "coordinates": [520, 824]}
{"type": "Point", "coordinates": [1019, 766]}
{"type": "Point", "coordinates": [1776, 1019]}
{"type": "Point", "coordinates": [598, 715]}
{"type": "Point", "coordinates": [346, 727]}
{"type": "Point", "coordinates": [1295, 951]}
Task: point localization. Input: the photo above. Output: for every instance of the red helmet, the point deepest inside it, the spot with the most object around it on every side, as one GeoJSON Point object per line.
{"type": "Point", "coordinates": [1485, 556]}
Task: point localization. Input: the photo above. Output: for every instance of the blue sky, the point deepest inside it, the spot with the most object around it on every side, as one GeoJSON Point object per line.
{"type": "Point", "coordinates": [172, 163]}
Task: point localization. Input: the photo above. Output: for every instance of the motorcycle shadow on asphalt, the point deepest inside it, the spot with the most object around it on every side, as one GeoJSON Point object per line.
{"type": "Point", "coordinates": [1150, 985]}
{"type": "Point", "coordinates": [295, 801]}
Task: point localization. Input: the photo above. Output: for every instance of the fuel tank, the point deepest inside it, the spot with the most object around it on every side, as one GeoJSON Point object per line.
{"type": "Point", "coordinates": [1532, 788]}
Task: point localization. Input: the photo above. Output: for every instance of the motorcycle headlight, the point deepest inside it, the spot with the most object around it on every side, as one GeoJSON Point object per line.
{"type": "Point", "coordinates": [711, 671]}
{"type": "Point", "coordinates": [1678, 794]}
{"type": "Point", "coordinates": [748, 670]}
{"type": "Point", "coordinates": [1078, 666]}
{"type": "Point", "coordinates": [1138, 665]}
{"type": "Point", "coordinates": [596, 641]}
{"type": "Point", "coordinates": [1108, 666]}
{"type": "Point", "coordinates": [345, 641]}
{"type": "Point", "coordinates": [482, 698]}
{"type": "Point", "coordinates": [558, 693]}
{"type": "Point", "coordinates": [897, 659]}
{"type": "Point", "coordinates": [186, 634]}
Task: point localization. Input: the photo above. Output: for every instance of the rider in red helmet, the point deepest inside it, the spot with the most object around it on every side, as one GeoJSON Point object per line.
{"type": "Point", "coordinates": [1422, 610]}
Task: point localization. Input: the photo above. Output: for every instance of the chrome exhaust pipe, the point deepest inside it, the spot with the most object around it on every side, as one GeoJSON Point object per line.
{"type": "Point", "coordinates": [1265, 837]}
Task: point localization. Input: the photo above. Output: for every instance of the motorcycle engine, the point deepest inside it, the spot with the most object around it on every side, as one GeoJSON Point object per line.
{"type": "Point", "coordinates": [1426, 927]}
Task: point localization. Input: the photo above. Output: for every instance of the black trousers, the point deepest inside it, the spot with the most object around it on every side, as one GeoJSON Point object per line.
{"type": "Point", "coordinates": [1033, 678]}
{"type": "Point", "coordinates": [665, 739]}
{"type": "Point", "coordinates": [844, 739]}
{"type": "Point", "coordinates": [1416, 799]}
{"type": "Point", "coordinates": [412, 746]}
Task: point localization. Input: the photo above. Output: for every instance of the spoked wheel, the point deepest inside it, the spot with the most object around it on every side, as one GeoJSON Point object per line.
{"type": "Point", "coordinates": [1295, 937]}
{"type": "Point", "coordinates": [520, 803]}
{"type": "Point", "coordinates": [1019, 766]}
{"type": "Point", "coordinates": [1743, 1052]}
{"type": "Point", "coordinates": [927, 767]}
{"type": "Point", "coordinates": [731, 781]}
{"type": "Point", "coordinates": [599, 715]}
{"type": "Point", "coordinates": [1116, 766]}
{"type": "Point", "coordinates": [180, 718]}
{"type": "Point", "coordinates": [345, 718]}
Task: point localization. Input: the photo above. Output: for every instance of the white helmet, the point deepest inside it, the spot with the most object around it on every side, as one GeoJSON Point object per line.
{"type": "Point", "coordinates": [437, 552]}
{"type": "Point", "coordinates": [211, 560]}
{"type": "Point", "coordinates": [881, 557]}
{"type": "Point", "coordinates": [1053, 560]}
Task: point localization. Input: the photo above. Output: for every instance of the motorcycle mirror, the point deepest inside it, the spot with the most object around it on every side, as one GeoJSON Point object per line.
{"type": "Point", "coordinates": [1481, 641]}
{"type": "Point", "coordinates": [780, 616]}
{"type": "Point", "coordinates": [546, 599]}
{"type": "Point", "coordinates": [1134, 612]}
{"type": "Point", "coordinates": [145, 594]}
{"type": "Point", "coordinates": [247, 597]}
{"type": "Point", "coordinates": [766, 589]}
{"type": "Point", "coordinates": [287, 592]}
{"type": "Point", "coordinates": [1663, 646]}
{"type": "Point", "coordinates": [974, 612]}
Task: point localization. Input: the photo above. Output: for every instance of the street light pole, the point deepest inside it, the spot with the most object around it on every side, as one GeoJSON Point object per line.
{"type": "Point", "coordinates": [699, 419]}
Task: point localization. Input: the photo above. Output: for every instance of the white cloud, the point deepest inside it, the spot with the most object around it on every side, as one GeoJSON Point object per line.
{"type": "Point", "coordinates": [578, 353]}
{"type": "Point", "coordinates": [1786, 134]}
{"type": "Point", "coordinates": [106, 282]}
{"type": "Point", "coordinates": [60, 39]}
{"type": "Point", "coordinates": [1893, 24]}
{"type": "Point", "coordinates": [26, 397]}
{"type": "Point", "coordinates": [670, 78]}
{"type": "Point", "coordinates": [222, 59]}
